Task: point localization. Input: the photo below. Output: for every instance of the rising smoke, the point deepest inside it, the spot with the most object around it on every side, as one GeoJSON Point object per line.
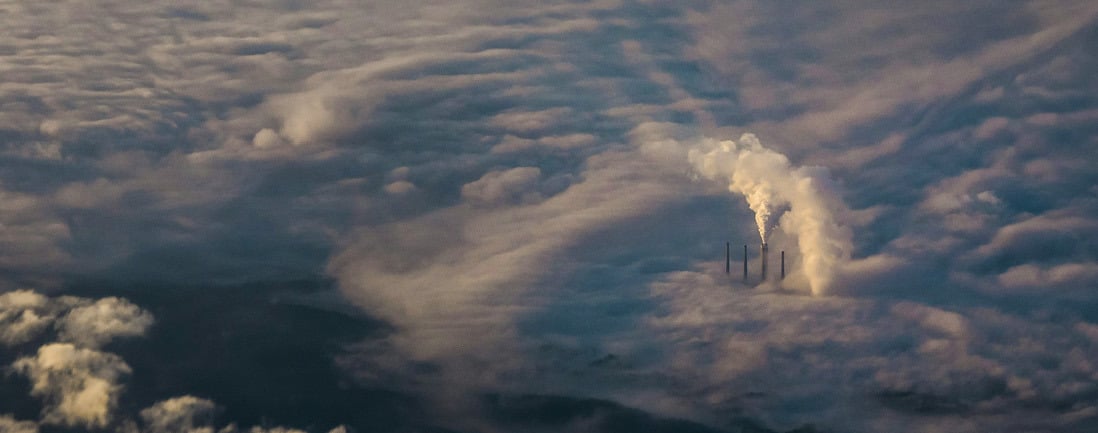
{"type": "Point", "coordinates": [770, 184]}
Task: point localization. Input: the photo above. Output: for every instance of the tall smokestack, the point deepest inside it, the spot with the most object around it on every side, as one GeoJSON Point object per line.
{"type": "Point", "coordinates": [783, 264]}
{"type": "Point", "coordinates": [765, 252]}
{"type": "Point", "coordinates": [728, 257]}
{"type": "Point", "coordinates": [745, 263]}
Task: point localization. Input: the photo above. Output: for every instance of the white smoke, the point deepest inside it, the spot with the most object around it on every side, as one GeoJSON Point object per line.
{"type": "Point", "coordinates": [769, 183]}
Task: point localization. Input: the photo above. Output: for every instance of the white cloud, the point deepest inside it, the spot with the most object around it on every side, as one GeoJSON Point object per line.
{"type": "Point", "coordinates": [185, 414]}
{"type": "Point", "coordinates": [324, 113]}
{"type": "Point", "coordinates": [80, 387]}
{"type": "Point", "coordinates": [267, 138]}
{"type": "Point", "coordinates": [100, 322]}
{"type": "Point", "coordinates": [24, 315]}
{"type": "Point", "coordinates": [9, 424]}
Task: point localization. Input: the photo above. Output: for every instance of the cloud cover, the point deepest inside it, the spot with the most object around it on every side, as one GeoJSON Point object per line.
{"type": "Point", "coordinates": [508, 185]}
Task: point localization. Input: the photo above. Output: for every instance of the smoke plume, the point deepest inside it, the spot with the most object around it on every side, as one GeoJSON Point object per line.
{"type": "Point", "coordinates": [769, 183]}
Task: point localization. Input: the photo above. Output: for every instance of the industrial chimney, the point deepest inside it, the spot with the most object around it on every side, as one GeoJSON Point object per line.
{"type": "Point", "coordinates": [745, 263]}
{"type": "Point", "coordinates": [783, 264]}
{"type": "Point", "coordinates": [765, 252]}
{"type": "Point", "coordinates": [728, 257]}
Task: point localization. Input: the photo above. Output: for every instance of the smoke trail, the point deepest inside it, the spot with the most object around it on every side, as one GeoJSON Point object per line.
{"type": "Point", "coordinates": [769, 182]}
{"type": "Point", "coordinates": [759, 201]}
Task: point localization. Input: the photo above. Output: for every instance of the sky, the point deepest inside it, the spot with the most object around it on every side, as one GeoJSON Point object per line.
{"type": "Point", "coordinates": [501, 216]}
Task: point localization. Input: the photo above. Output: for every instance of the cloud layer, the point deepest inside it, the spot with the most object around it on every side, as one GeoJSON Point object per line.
{"type": "Point", "coordinates": [510, 188]}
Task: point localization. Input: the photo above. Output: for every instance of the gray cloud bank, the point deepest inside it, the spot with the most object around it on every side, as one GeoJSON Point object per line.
{"type": "Point", "coordinates": [510, 187]}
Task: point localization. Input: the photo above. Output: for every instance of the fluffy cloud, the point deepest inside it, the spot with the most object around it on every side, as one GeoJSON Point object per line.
{"type": "Point", "coordinates": [80, 386]}
{"type": "Point", "coordinates": [185, 414]}
{"type": "Point", "coordinates": [108, 318]}
{"type": "Point", "coordinates": [12, 425]}
{"type": "Point", "coordinates": [23, 315]}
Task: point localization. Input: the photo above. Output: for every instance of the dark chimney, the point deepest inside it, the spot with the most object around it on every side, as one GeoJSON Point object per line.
{"type": "Point", "coordinates": [765, 252]}
{"type": "Point", "coordinates": [783, 264]}
{"type": "Point", "coordinates": [745, 263]}
{"type": "Point", "coordinates": [728, 257]}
